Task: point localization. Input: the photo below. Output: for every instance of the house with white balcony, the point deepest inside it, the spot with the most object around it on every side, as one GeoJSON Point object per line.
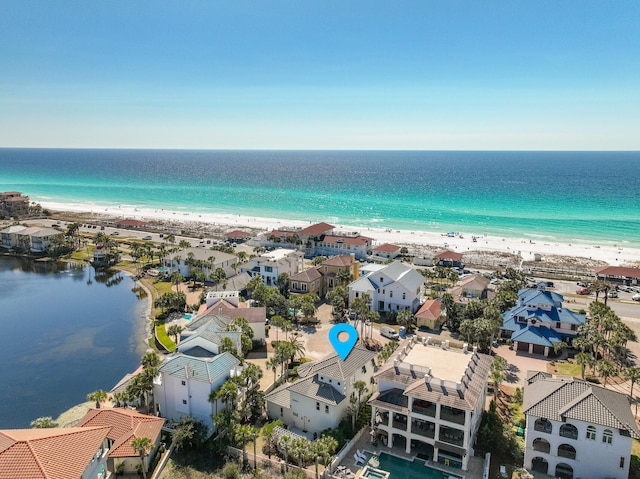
{"type": "Point", "coordinates": [576, 429]}
{"type": "Point", "coordinates": [320, 398]}
{"type": "Point", "coordinates": [272, 264]}
{"type": "Point", "coordinates": [211, 260]}
{"type": "Point", "coordinates": [539, 321]}
{"type": "Point", "coordinates": [430, 401]}
{"type": "Point", "coordinates": [391, 289]}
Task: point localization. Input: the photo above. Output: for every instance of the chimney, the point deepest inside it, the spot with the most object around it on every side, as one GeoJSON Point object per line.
{"type": "Point", "coordinates": [411, 367]}
{"type": "Point", "coordinates": [395, 363]}
{"type": "Point", "coordinates": [465, 347]}
{"type": "Point", "coordinates": [427, 379]}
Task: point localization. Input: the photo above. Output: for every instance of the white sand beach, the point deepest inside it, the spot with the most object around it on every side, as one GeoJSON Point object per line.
{"type": "Point", "coordinates": [616, 254]}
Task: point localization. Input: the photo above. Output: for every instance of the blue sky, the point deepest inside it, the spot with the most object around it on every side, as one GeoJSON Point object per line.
{"type": "Point", "coordinates": [427, 75]}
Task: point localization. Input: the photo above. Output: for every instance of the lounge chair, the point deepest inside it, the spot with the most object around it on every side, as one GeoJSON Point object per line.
{"type": "Point", "coordinates": [361, 455]}
{"type": "Point", "coordinates": [358, 460]}
{"type": "Point", "coordinates": [349, 474]}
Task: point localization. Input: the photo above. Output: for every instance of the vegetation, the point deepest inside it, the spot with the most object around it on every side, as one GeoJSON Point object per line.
{"type": "Point", "coordinates": [43, 423]}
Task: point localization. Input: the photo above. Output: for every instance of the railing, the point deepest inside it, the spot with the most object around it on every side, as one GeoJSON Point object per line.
{"type": "Point", "coordinates": [569, 454]}
{"type": "Point", "coordinates": [457, 418]}
{"type": "Point", "coordinates": [425, 410]}
{"type": "Point", "coordinates": [571, 434]}
{"type": "Point", "coordinates": [541, 446]}
{"type": "Point", "coordinates": [397, 424]}
{"type": "Point", "coordinates": [423, 430]}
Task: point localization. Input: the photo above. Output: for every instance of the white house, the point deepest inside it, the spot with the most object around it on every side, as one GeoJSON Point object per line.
{"type": "Point", "coordinates": [272, 264]}
{"type": "Point", "coordinates": [320, 398]}
{"type": "Point", "coordinates": [430, 401]}
{"type": "Point", "coordinates": [346, 243]}
{"type": "Point", "coordinates": [211, 259]}
{"type": "Point", "coordinates": [576, 429]}
{"type": "Point", "coordinates": [184, 383]}
{"type": "Point", "coordinates": [392, 288]}
{"type": "Point", "coordinates": [33, 238]}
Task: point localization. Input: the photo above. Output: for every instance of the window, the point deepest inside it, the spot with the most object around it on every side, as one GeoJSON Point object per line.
{"type": "Point", "coordinates": [621, 462]}
{"type": "Point", "coordinates": [268, 269]}
{"type": "Point", "coordinates": [184, 401]}
{"type": "Point", "coordinates": [281, 412]}
{"type": "Point", "coordinates": [184, 383]}
{"type": "Point", "coordinates": [558, 324]}
{"type": "Point", "coordinates": [364, 370]}
{"type": "Point", "coordinates": [591, 433]}
{"type": "Point", "coordinates": [391, 294]}
{"type": "Point", "coordinates": [404, 295]}
{"type": "Point", "coordinates": [326, 408]}
{"type": "Point", "coordinates": [317, 406]}
{"type": "Point", "coordinates": [607, 436]}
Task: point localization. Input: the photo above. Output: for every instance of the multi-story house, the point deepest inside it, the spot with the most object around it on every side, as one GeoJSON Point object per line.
{"type": "Point", "coordinates": [386, 251]}
{"type": "Point", "coordinates": [13, 204]}
{"type": "Point", "coordinates": [430, 401]}
{"type": "Point", "coordinates": [321, 279]}
{"type": "Point", "coordinates": [209, 259]}
{"type": "Point", "coordinates": [352, 243]}
{"type": "Point", "coordinates": [272, 264]}
{"type": "Point", "coordinates": [576, 429]}
{"type": "Point", "coordinates": [77, 452]}
{"type": "Point", "coordinates": [392, 288]}
{"type": "Point", "coordinates": [308, 281]}
{"type": "Point", "coordinates": [539, 320]}
{"type": "Point", "coordinates": [320, 398]}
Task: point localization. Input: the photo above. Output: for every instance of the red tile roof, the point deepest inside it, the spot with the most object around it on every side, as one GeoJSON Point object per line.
{"type": "Point", "coordinates": [352, 240]}
{"type": "Point", "coordinates": [126, 425]}
{"type": "Point", "coordinates": [447, 254]}
{"type": "Point", "coordinates": [339, 260]}
{"type": "Point", "coordinates": [256, 314]}
{"type": "Point", "coordinates": [237, 234]}
{"type": "Point", "coordinates": [620, 271]}
{"type": "Point", "coordinates": [431, 309]}
{"type": "Point", "coordinates": [306, 276]}
{"type": "Point", "coordinates": [132, 223]}
{"type": "Point", "coordinates": [387, 248]}
{"type": "Point", "coordinates": [56, 453]}
{"type": "Point", "coordinates": [315, 230]}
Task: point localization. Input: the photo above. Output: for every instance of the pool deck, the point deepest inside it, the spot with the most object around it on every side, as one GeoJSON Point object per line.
{"type": "Point", "coordinates": [364, 444]}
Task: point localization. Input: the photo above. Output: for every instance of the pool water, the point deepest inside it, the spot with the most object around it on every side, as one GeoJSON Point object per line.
{"type": "Point", "coordinates": [403, 469]}
{"type": "Point", "coordinates": [187, 316]}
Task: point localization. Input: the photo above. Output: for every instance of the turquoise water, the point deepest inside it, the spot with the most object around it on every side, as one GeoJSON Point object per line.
{"type": "Point", "coordinates": [561, 196]}
{"type": "Point", "coordinates": [402, 469]}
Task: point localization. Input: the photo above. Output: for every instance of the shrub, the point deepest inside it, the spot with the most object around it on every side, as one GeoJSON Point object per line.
{"type": "Point", "coordinates": [231, 470]}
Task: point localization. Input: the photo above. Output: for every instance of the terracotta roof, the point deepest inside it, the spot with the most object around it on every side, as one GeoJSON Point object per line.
{"type": "Point", "coordinates": [56, 453]}
{"type": "Point", "coordinates": [237, 234]}
{"type": "Point", "coordinates": [387, 248]}
{"type": "Point", "coordinates": [448, 254]}
{"type": "Point", "coordinates": [339, 260]}
{"type": "Point", "coordinates": [620, 271]}
{"type": "Point", "coordinates": [563, 398]}
{"type": "Point", "coordinates": [352, 240]}
{"type": "Point", "coordinates": [475, 282]}
{"type": "Point", "coordinates": [134, 223]}
{"type": "Point", "coordinates": [126, 425]}
{"type": "Point", "coordinates": [256, 314]}
{"type": "Point", "coordinates": [316, 229]}
{"type": "Point", "coordinates": [431, 309]}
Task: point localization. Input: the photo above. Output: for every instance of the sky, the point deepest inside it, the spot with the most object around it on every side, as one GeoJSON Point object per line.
{"type": "Point", "coordinates": [306, 74]}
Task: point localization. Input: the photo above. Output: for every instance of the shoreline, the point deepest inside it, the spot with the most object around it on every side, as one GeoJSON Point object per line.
{"type": "Point", "coordinates": [418, 242]}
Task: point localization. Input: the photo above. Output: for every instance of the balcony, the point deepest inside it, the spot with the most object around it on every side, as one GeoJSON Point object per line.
{"type": "Point", "coordinates": [423, 428]}
{"type": "Point", "coordinates": [399, 422]}
{"type": "Point", "coordinates": [424, 407]}
{"type": "Point", "coordinates": [541, 445]}
{"type": "Point", "coordinates": [565, 450]}
{"type": "Point", "coordinates": [452, 414]}
{"type": "Point", "coordinates": [451, 436]}
{"type": "Point", "coordinates": [542, 425]}
{"type": "Point", "coordinates": [569, 431]}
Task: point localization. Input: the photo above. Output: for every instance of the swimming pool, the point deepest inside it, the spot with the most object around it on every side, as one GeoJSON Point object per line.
{"type": "Point", "coordinates": [373, 473]}
{"type": "Point", "coordinates": [187, 316]}
{"type": "Point", "coordinates": [403, 469]}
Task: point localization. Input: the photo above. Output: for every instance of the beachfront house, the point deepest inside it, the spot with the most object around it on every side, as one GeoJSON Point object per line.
{"type": "Point", "coordinates": [13, 204]}
{"type": "Point", "coordinates": [386, 251]}
{"type": "Point", "coordinates": [474, 286]}
{"type": "Point", "coordinates": [77, 452]}
{"type": "Point", "coordinates": [125, 426]}
{"type": "Point", "coordinates": [430, 401]}
{"type": "Point", "coordinates": [431, 315]}
{"type": "Point", "coordinates": [33, 238]}
{"type": "Point", "coordinates": [237, 236]}
{"type": "Point", "coordinates": [539, 321]}
{"type": "Point", "coordinates": [320, 398]}
{"type": "Point", "coordinates": [391, 289]}
{"type": "Point", "coordinates": [576, 429]}
{"type": "Point", "coordinates": [343, 244]}
{"type": "Point", "coordinates": [272, 264]}
{"type": "Point", "coordinates": [618, 274]}
{"type": "Point", "coordinates": [448, 259]}
{"type": "Point", "coordinates": [9, 236]}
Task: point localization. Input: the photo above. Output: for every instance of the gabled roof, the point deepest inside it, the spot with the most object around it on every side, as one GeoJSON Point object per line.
{"type": "Point", "coordinates": [448, 254]}
{"type": "Point", "coordinates": [227, 312]}
{"type": "Point", "coordinates": [132, 223]}
{"type": "Point", "coordinates": [475, 282]}
{"type": "Point", "coordinates": [386, 248]}
{"type": "Point", "coordinates": [237, 234]}
{"type": "Point", "coordinates": [126, 425]}
{"type": "Point", "coordinates": [539, 296]}
{"type": "Point", "coordinates": [50, 453]}
{"type": "Point", "coordinates": [431, 309]}
{"type": "Point", "coordinates": [334, 367]}
{"type": "Point", "coordinates": [619, 271]}
{"type": "Point", "coordinates": [307, 276]}
{"type": "Point", "coordinates": [316, 230]}
{"type": "Point", "coordinates": [207, 370]}
{"type": "Point", "coordinates": [403, 274]}
{"type": "Point", "coordinates": [537, 335]}
{"type": "Point", "coordinates": [211, 333]}
{"type": "Point", "coordinates": [568, 398]}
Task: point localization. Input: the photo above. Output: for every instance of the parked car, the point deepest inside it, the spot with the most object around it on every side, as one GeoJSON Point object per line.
{"type": "Point", "coordinates": [583, 291]}
{"type": "Point", "coordinates": [549, 284]}
{"type": "Point", "coordinates": [582, 284]}
{"type": "Point", "coordinates": [636, 297]}
{"type": "Point", "coordinates": [612, 294]}
{"type": "Point", "coordinates": [147, 238]}
{"type": "Point", "coordinates": [388, 332]}
{"type": "Point", "coordinates": [115, 233]}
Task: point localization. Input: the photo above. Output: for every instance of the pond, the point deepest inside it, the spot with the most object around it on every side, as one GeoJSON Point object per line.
{"type": "Point", "coordinates": [67, 330]}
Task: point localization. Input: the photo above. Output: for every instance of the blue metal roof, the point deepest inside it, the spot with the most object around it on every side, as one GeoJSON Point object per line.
{"type": "Point", "coordinates": [541, 336]}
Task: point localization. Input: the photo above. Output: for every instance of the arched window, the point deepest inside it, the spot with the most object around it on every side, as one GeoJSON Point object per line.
{"type": "Point", "coordinates": [591, 433]}
{"type": "Point", "coordinates": [564, 471]}
{"type": "Point", "coordinates": [542, 425]}
{"type": "Point", "coordinates": [566, 450]}
{"type": "Point", "coordinates": [607, 436]}
{"type": "Point", "coordinates": [541, 445]}
{"type": "Point", "coordinates": [569, 430]}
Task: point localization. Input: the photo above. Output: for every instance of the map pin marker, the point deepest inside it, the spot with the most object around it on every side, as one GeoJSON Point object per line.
{"type": "Point", "coordinates": [343, 348]}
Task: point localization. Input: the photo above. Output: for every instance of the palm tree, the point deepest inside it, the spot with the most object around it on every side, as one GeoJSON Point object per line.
{"type": "Point", "coordinates": [606, 369]}
{"type": "Point", "coordinates": [273, 363]}
{"type": "Point", "coordinates": [632, 374]}
{"type": "Point", "coordinates": [498, 373]}
{"type": "Point", "coordinates": [175, 330]}
{"type": "Point", "coordinates": [43, 423]}
{"type": "Point", "coordinates": [98, 396]}
{"type": "Point", "coordinates": [405, 318]}
{"type": "Point", "coordinates": [267, 434]}
{"type": "Point", "coordinates": [583, 360]}
{"type": "Point", "coordinates": [142, 445]}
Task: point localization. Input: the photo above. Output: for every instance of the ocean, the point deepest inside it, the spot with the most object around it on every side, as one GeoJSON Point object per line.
{"type": "Point", "coordinates": [589, 197]}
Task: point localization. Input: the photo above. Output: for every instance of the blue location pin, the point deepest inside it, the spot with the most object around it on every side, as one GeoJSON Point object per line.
{"type": "Point", "coordinates": [343, 348]}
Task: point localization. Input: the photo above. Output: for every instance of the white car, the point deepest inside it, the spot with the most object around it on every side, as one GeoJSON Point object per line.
{"type": "Point", "coordinates": [147, 238]}
{"type": "Point", "coordinates": [636, 297]}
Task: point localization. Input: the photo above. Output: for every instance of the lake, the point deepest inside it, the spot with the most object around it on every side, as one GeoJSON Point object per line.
{"type": "Point", "coordinates": [67, 330]}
